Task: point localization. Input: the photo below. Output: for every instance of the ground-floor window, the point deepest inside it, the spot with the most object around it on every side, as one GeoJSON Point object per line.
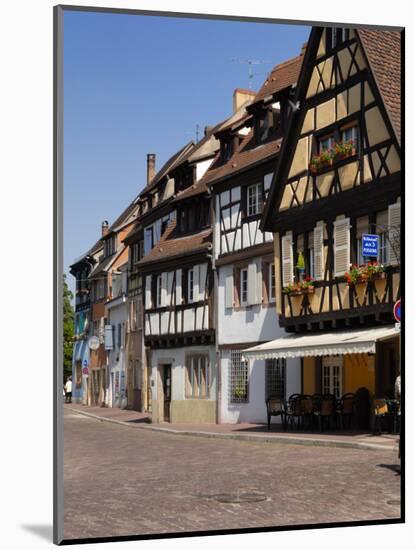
{"type": "Point", "coordinates": [238, 378]}
{"type": "Point", "coordinates": [275, 378]}
{"type": "Point", "coordinates": [197, 376]}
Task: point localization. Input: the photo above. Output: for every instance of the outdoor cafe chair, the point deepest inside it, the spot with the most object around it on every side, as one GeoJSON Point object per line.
{"type": "Point", "coordinates": [293, 409]}
{"type": "Point", "coordinates": [325, 408]}
{"type": "Point", "coordinates": [275, 407]}
{"type": "Point", "coordinates": [306, 408]}
{"type": "Point", "coordinates": [346, 409]}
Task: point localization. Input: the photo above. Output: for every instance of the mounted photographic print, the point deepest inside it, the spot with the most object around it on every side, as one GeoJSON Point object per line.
{"type": "Point", "coordinates": [229, 198]}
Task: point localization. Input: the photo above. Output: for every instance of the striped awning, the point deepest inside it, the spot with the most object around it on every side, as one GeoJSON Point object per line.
{"type": "Point", "coordinates": [321, 344]}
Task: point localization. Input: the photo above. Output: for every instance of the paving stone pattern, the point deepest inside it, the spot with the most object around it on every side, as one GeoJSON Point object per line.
{"type": "Point", "coordinates": [122, 481]}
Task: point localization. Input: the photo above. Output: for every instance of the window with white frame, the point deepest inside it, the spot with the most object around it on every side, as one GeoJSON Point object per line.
{"type": "Point", "coordinates": [191, 284]}
{"type": "Point", "coordinates": [159, 290]}
{"type": "Point", "coordinates": [254, 199]}
{"type": "Point", "coordinates": [238, 378]}
{"type": "Point", "coordinates": [275, 378]}
{"type": "Point", "coordinates": [197, 376]}
{"type": "Point", "coordinates": [325, 143]}
{"type": "Point", "coordinates": [243, 288]}
{"type": "Point", "coordinates": [350, 134]}
{"type": "Point", "coordinates": [332, 375]}
{"type": "Point", "coordinates": [271, 283]}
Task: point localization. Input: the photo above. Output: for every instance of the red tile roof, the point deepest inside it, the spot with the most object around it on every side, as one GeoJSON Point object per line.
{"type": "Point", "coordinates": [283, 75]}
{"type": "Point", "coordinates": [383, 50]}
{"type": "Point", "coordinates": [247, 155]}
{"type": "Point", "coordinates": [172, 245]}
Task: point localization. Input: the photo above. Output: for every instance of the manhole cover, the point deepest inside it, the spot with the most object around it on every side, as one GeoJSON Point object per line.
{"type": "Point", "coordinates": [394, 502]}
{"type": "Point", "coordinates": [239, 498]}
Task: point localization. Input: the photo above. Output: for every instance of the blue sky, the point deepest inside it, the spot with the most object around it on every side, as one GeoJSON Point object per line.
{"type": "Point", "coordinates": [136, 84]}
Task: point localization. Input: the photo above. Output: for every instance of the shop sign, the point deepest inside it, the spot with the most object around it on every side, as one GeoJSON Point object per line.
{"type": "Point", "coordinates": [370, 246]}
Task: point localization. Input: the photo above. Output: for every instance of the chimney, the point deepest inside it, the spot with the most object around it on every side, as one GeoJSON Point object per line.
{"type": "Point", "coordinates": [304, 47]}
{"type": "Point", "coordinates": [208, 130]}
{"type": "Point", "coordinates": [151, 167]}
{"type": "Point", "coordinates": [104, 228]}
{"type": "Point", "coordinates": [241, 97]}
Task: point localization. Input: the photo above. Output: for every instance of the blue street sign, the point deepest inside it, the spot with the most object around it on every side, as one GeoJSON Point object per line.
{"type": "Point", "coordinates": [370, 245]}
{"type": "Point", "coordinates": [85, 362]}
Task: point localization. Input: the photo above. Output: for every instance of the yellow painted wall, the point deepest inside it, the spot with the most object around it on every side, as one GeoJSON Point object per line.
{"type": "Point", "coordinates": [359, 371]}
{"type": "Point", "coordinates": [193, 410]}
{"type": "Point", "coordinates": [309, 377]}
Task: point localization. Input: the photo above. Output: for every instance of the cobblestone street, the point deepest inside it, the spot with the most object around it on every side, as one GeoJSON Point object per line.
{"type": "Point", "coordinates": [123, 481]}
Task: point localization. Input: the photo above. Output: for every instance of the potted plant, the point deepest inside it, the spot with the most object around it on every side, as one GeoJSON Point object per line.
{"type": "Point", "coordinates": [300, 264]}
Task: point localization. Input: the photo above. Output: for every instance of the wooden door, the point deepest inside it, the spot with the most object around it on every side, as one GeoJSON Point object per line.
{"type": "Point", "coordinates": [166, 383]}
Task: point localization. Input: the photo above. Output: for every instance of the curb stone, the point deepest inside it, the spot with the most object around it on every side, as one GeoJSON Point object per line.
{"type": "Point", "coordinates": [247, 437]}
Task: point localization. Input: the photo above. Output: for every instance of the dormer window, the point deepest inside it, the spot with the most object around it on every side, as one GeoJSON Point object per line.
{"type": "Point", "coordinates": [227, 150]}
{"type": "Point", "coordinates": [110, 246]}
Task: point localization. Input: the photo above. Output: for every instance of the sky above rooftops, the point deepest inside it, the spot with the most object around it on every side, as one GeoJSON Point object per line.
{"type": "Point", "coordinates": [140, 84]}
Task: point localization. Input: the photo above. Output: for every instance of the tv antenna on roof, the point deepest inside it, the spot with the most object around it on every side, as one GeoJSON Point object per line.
{"type": "Point", "coordinates": [250, 63]}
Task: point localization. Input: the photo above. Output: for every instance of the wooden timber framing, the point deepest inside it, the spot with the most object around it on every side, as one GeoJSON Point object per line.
{"type": "Point", "coordinates": [337, 91]}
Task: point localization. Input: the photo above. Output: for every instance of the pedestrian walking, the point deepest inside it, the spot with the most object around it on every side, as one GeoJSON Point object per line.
{"type": "Point", "coordinates": [68, 390]}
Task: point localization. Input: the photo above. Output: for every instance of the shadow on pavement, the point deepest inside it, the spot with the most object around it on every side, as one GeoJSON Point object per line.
{"type": "Point", "coordinates": [392, 467]}
{"type": "Point", "coordinates": [43, 531]}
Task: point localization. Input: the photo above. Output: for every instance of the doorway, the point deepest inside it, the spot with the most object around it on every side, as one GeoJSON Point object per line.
{"type": "Point", "coordinates": [166, 387]}
{"type": "Point", "coordinates": [332, 375]}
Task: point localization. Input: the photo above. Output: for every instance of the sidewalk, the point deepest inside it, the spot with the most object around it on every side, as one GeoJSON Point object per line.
{"type": "Point", "coordinates": [247, 432]}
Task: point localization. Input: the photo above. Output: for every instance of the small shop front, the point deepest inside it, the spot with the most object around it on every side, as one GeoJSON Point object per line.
{"type": "Point", "coordinates": [339, 364]}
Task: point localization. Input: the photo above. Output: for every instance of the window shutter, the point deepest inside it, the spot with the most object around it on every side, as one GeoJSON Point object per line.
{"type": "Point", "coordinates": [341, 247]}
{"type": "Point", "coordinates": [252, 284]}
{"type": "Point", "coordinates": [287, 259]}
{"type": "Point", "coordinates": [229, 290]}
{"type": "Point", "coordinates": [109, 337]}
{"type": "Point", "coordinates": [148, 292]}
{"type": "Point", "coordinates": [259, 282]}
{"type": "Point", "coordinates": [178, 287]}
{"type": "Point", "coordinates": [394, 242]}
{"type": "Point", "coordinates": [318, 236]}
{"type": "Point", "coordinates": [163, 289]}
{"type": "Point", "coordinates": [202, 285]}
{"type": "Point", "coordinates": [196, 285]}
{"type": "Point", "coordinates": [170, 297]}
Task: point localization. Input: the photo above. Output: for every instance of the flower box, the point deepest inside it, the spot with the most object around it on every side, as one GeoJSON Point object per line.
{"type": "Point", "coordinates": [364, 273]}
{"type": "Point", "coordinates": [301, 291]}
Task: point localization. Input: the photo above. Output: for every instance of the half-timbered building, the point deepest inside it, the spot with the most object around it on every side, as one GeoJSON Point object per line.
{"type": "Point", "coordinates": [81, 269]}
{"type": "Point", "coordinates": [179, 328]}
{"type": "Point", "coordinates": [337, 184]}
{"type": "Point", "coordinates": [102, 279]}
{"type": "Point", "coordinates": [240, 180]}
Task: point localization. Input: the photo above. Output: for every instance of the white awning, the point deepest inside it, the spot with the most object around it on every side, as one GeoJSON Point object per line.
{"type": "Point", "coordinates": [320, 344]}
